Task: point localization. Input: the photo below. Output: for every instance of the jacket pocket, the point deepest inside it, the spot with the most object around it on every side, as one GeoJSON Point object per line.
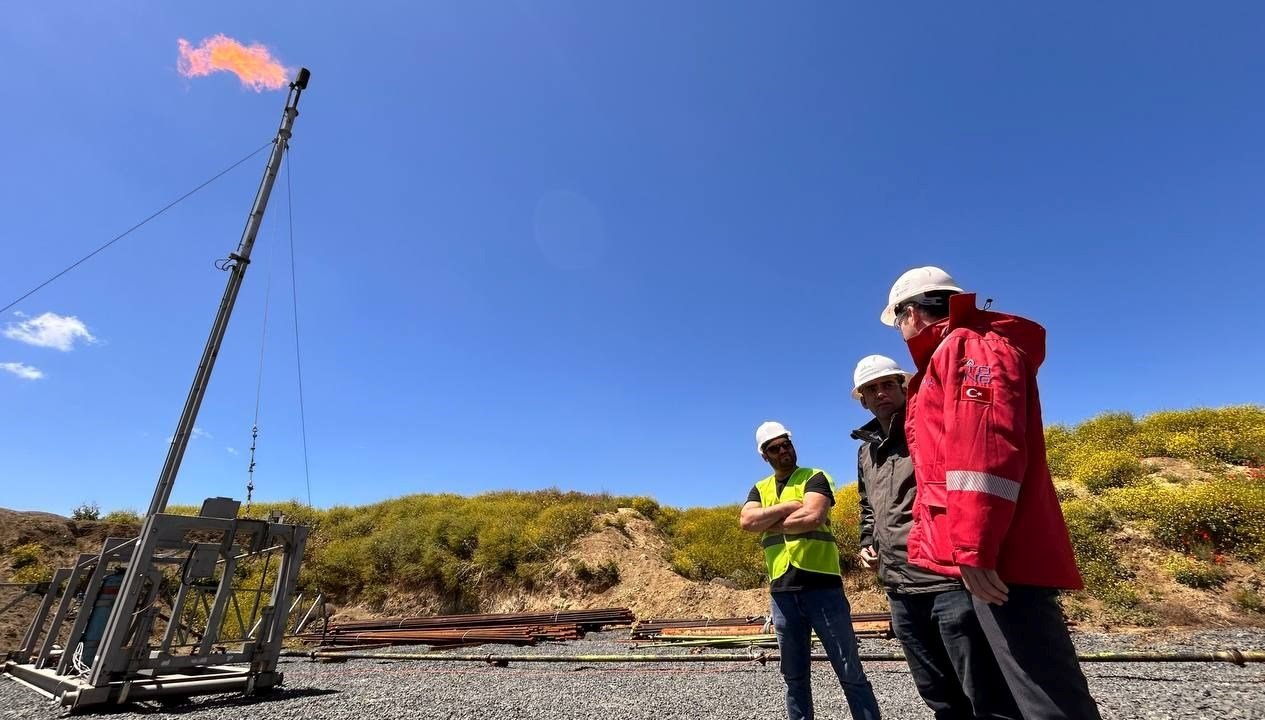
{"type": "Point", "coordinates": [935, 540]}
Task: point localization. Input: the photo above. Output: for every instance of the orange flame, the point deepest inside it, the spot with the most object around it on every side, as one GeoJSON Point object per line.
{"type": "Point", "coordinates": [252, 64]}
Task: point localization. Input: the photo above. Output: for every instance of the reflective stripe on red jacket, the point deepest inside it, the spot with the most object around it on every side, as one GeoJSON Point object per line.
{"type": "Point", "coordinates": [973, 424]}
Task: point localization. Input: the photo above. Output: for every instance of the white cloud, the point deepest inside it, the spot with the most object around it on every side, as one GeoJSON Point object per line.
{"type": "Point", "coordinates": [231, 450]}
{"type": "Point", "coordinates": [198, 433]}
{"type": "Point", "coordinates": [49, 330]}
{"type": "Point", "coordinates": [22, 370]}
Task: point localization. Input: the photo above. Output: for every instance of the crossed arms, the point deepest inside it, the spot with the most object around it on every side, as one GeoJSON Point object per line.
{"type": "Point", "coordinates": [791, 516]}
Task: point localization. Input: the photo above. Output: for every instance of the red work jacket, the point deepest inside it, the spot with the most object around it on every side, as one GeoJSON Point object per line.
{"type": "Point", "coordinates": [973, 423]}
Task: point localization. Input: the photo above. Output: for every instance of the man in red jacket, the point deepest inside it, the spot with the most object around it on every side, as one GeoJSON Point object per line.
{"type": "Point", "coordinates": [985, 509]}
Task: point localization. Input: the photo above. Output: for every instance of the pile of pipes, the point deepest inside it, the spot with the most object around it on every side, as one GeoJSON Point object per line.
{"type": "Point", "coordinates": [449, 631]}
{"type": "Point", "coordinates": [655, 627]}
{"type": "Point", "coordinates": [738, 631]}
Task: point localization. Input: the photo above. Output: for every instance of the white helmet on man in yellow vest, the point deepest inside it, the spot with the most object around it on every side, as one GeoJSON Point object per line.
{"type": "Point", "coordinates": [767, 431]}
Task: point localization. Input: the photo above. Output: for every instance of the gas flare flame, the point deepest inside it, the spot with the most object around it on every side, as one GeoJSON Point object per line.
{"type": "Point", "coordinates": [253, 64]}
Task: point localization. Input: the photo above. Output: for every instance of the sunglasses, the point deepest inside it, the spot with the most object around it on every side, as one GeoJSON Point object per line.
{"type": "Point", "coordinates": [774, 448]}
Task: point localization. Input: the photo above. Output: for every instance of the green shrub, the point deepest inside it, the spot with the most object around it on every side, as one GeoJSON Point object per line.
{"type": "Point", "coordinates": [499, 547]}
{"type": "Point", "coordinates": [558, 525]}
{"type": "Point", "coordinates": [1088, 517]}
{"type": "Point", "coordinates": [708, 543]}
{"type": "Point", "coordinates": [456, 547]}
{"type": "Point", "coordinates": [1060, 443]}
{"type": "Point", "coordinates": [598, 579]}
{"type": "Point", "coordinates": [25, 555]}
{"type": "Point", "coordinates": [1207, 437]}
{"type": "Point", "coordinates": [340, 569]}
{"type": "Point", "coordinates": [1248, 597]}
{"type": "Point", "coordinates": [619, 522]}
{"type": "Point", "coordinates": [646, 506]}
{"type": "Point", "coordinates": [1105, 575]}
{"type": "Point", "coordinates": [666, 520]}
{"type": "Point", "coordinates": [32, 574]}
{"type": "Point", "coordinates": [1234, 435]}
{"type": "Point", "coordinates": [293, 512]}
{"type": "Point", "coordinates": [1096, 453]}
{"type": "Point", "coordinates": [127, 517]}
{"type": "Point", "coordinates": [1195, 573]}
{"type": "Point", "coordinates": [86, 511]}
{"type": "Point", "coordinates": [1124, 607]}
{"type": "Point", "coordinates": [845, 522]}
{"type": "Point", "coordinates": [1228, 514]}
{"type": "Point", "coordinates": [1109, 431]}
{"type": "Point", "coordinates": [1074, 607]}
{"type": "Point", "coordinates": [1104, 469]}
{"type": "Point", "coordinates": [1066, 490]}
{"type": "Point", "coordinates": [25, 560]}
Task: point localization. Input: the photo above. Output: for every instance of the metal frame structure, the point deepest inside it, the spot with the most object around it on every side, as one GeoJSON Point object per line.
{"type": "Point", "coordinates": [191, 563]}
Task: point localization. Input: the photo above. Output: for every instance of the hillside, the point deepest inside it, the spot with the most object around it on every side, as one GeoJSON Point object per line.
{"type": "Point", "coordinates": [31, 545]}
{"type": "Point", "coordinates": [1167, 514]}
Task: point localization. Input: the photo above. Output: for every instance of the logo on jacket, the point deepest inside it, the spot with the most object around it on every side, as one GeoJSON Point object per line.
{"type": "Point", "coordinates": [977, 374]}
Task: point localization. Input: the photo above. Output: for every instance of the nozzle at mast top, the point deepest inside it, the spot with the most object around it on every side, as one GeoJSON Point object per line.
{"type": "Point", "coordinates": [300, 82]}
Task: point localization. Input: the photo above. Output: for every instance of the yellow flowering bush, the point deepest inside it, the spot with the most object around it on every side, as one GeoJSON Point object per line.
{"type": "Point", "coordinates": [1196, 573]}
{"type": "Point", "coordinates": [1104, 469]}
{"type": "Point", "coordinates": [1234, 435]}
{"type": "Point", "coordinates": [707, 543]}
{"type": "Point", "coordinates": [1227, 514]}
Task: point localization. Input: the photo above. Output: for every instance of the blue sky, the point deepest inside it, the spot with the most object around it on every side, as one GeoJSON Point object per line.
{"type": "Point", "coordinates": [593, 245]}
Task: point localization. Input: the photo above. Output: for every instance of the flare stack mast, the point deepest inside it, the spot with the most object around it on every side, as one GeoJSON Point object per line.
{"type": "Point", "coordinates": [236, 266]}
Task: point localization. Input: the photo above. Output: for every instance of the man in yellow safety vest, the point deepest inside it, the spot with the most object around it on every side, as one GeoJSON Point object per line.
{"type": "Point", "coordinates": [791, 511]}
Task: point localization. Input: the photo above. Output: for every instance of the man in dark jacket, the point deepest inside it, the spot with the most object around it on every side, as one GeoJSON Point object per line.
{"type": "Point", "coordinates": [986, 510]}
{"type": "Point", "coordinates": [949, 657]}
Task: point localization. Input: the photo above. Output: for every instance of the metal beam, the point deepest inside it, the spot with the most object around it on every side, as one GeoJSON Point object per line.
{"type": "Point", "coordinates": [37, 622]}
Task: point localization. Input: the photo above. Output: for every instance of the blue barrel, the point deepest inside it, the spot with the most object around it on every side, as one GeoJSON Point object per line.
{"type": "Point", "coordinates": [101, 615]}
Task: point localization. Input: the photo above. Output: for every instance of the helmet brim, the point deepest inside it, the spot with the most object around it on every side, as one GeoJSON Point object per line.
{"type": "Point", "coordinates": [888, 316]}
{"type": "Point", "coordinates": [856, 391]}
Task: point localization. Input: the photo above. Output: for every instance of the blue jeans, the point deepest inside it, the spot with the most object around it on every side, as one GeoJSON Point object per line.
{"type": "Point", "coordinates": [949, 656]}
{"type": "Point", "coordinates": [796, 615]}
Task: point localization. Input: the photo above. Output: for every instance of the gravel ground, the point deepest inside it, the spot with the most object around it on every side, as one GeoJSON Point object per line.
{"type": "Point", "coordinates": [700, 691]}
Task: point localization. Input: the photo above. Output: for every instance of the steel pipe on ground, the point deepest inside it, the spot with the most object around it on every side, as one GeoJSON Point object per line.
{"type": "Point", "coordinates": [1237, 657]}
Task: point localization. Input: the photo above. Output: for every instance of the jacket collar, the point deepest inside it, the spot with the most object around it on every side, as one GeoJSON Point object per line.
{"type": "Point", "coordinates": [923, 345]}
{"type": "Point", "coordinates": [1025, 335]}
{"type": "Point", "coordinates": [872, 431]}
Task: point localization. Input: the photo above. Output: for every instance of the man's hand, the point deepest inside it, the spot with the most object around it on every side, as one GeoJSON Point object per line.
{"type": "Point", "coordinates": [984, 584]}
{"type": "Point", "coordinates": [868, 557]}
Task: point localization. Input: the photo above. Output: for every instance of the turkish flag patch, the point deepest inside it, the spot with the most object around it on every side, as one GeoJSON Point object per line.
{"type": "Point", "coordinates": [977, 394]}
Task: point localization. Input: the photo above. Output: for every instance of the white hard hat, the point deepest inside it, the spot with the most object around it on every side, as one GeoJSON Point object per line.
{"type": "Point", "coordinates": [914, 283]}
{"type": "Point", "coordinates": [769, 431]}
{"type": "Point", "coordinates": [873, 367]}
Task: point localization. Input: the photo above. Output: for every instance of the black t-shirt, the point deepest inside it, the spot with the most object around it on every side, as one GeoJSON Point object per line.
{"type": "Point", "coordinates": [795, 578]}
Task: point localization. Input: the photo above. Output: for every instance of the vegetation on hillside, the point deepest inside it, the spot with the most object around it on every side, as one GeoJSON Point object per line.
{"type": "Point", "coordinates": [458, 550]}
{"type": "Point", "coordinates": [1201, 522]}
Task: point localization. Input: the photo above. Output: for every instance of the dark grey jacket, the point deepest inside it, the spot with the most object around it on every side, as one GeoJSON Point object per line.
{"type": "Point", "coordinates": [885, 481]}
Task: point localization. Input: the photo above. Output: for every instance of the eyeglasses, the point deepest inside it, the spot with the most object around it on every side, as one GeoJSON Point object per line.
{"type": "Point", "coordinates": [775, 448]}
{"type": "Point", "coordinates": [900, 311]}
